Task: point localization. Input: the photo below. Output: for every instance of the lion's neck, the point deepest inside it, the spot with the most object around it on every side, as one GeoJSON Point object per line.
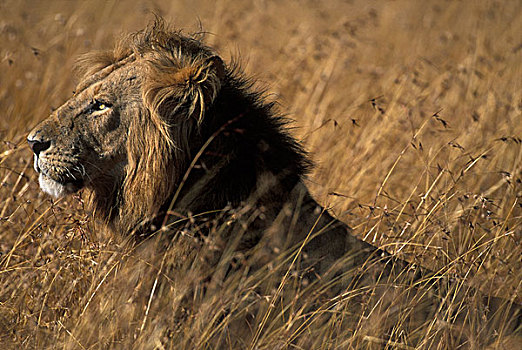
{"type": "Point", "coordinates": [248, 156]}
{"type": "Point", "coordinates": [248, 145]}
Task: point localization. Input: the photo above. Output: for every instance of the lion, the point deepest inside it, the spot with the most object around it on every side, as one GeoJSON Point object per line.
{"type": "Point", "coordinates": [134, 138]}
{"type": "Point", "coordinates": [161, 127]}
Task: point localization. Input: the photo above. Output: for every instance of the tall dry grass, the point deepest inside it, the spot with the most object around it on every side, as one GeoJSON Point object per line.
{"type": "Point", "coordinates": [411, 111]}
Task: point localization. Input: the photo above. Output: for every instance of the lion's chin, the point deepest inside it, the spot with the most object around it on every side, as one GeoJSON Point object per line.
{"type": "Point", "coordinates": [56, 189]}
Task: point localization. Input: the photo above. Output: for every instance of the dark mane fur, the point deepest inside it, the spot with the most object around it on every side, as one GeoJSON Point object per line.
{"type": "Point", "coordinates": [248, 137]}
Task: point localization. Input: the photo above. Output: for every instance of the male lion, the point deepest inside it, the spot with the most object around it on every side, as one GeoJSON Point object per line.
{"type": "Point", "coordinates": [160, 127]}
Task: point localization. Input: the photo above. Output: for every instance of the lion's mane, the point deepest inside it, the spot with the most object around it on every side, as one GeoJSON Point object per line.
{"type": "Point", "coordinates": [202, 138]}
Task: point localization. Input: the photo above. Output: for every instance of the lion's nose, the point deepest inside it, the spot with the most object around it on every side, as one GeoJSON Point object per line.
{"type": "Point", "coordinates": [38, 146]}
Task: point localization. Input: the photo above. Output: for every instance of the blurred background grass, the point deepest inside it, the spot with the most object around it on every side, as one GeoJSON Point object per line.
{"type": "Point", "coordinates": [410, 110]}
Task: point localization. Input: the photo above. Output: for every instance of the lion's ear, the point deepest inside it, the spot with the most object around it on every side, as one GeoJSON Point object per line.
{"type": "Point", "coordinates": [210, 77]}
{"type": "Point", "coordinates": [188, 90]}
{"type": "Point", "coordinates": [201, 82]}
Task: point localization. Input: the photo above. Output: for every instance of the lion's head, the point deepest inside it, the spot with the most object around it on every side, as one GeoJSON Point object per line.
{"type": "Point", "coordinates": [132, 131]}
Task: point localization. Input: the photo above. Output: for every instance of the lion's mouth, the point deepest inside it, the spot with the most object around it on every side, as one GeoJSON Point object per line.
{"type": "Point", "coordinates": [57, 181]}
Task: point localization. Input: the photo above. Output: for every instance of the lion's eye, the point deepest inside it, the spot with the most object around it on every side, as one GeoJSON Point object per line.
{"type": "Point", "coordinates": [99, 106]}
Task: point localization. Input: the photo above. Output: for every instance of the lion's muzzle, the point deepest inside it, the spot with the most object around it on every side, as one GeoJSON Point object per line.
{"type": "Point", "coordinates": [58, 175]}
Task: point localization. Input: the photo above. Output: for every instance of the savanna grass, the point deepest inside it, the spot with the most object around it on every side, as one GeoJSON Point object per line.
{"type": "Point", "coordinates": [411, 111]}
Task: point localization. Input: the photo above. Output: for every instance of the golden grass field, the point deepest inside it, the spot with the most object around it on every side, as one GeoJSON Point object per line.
{"type": "Point", "coordinates": [411, 111]}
